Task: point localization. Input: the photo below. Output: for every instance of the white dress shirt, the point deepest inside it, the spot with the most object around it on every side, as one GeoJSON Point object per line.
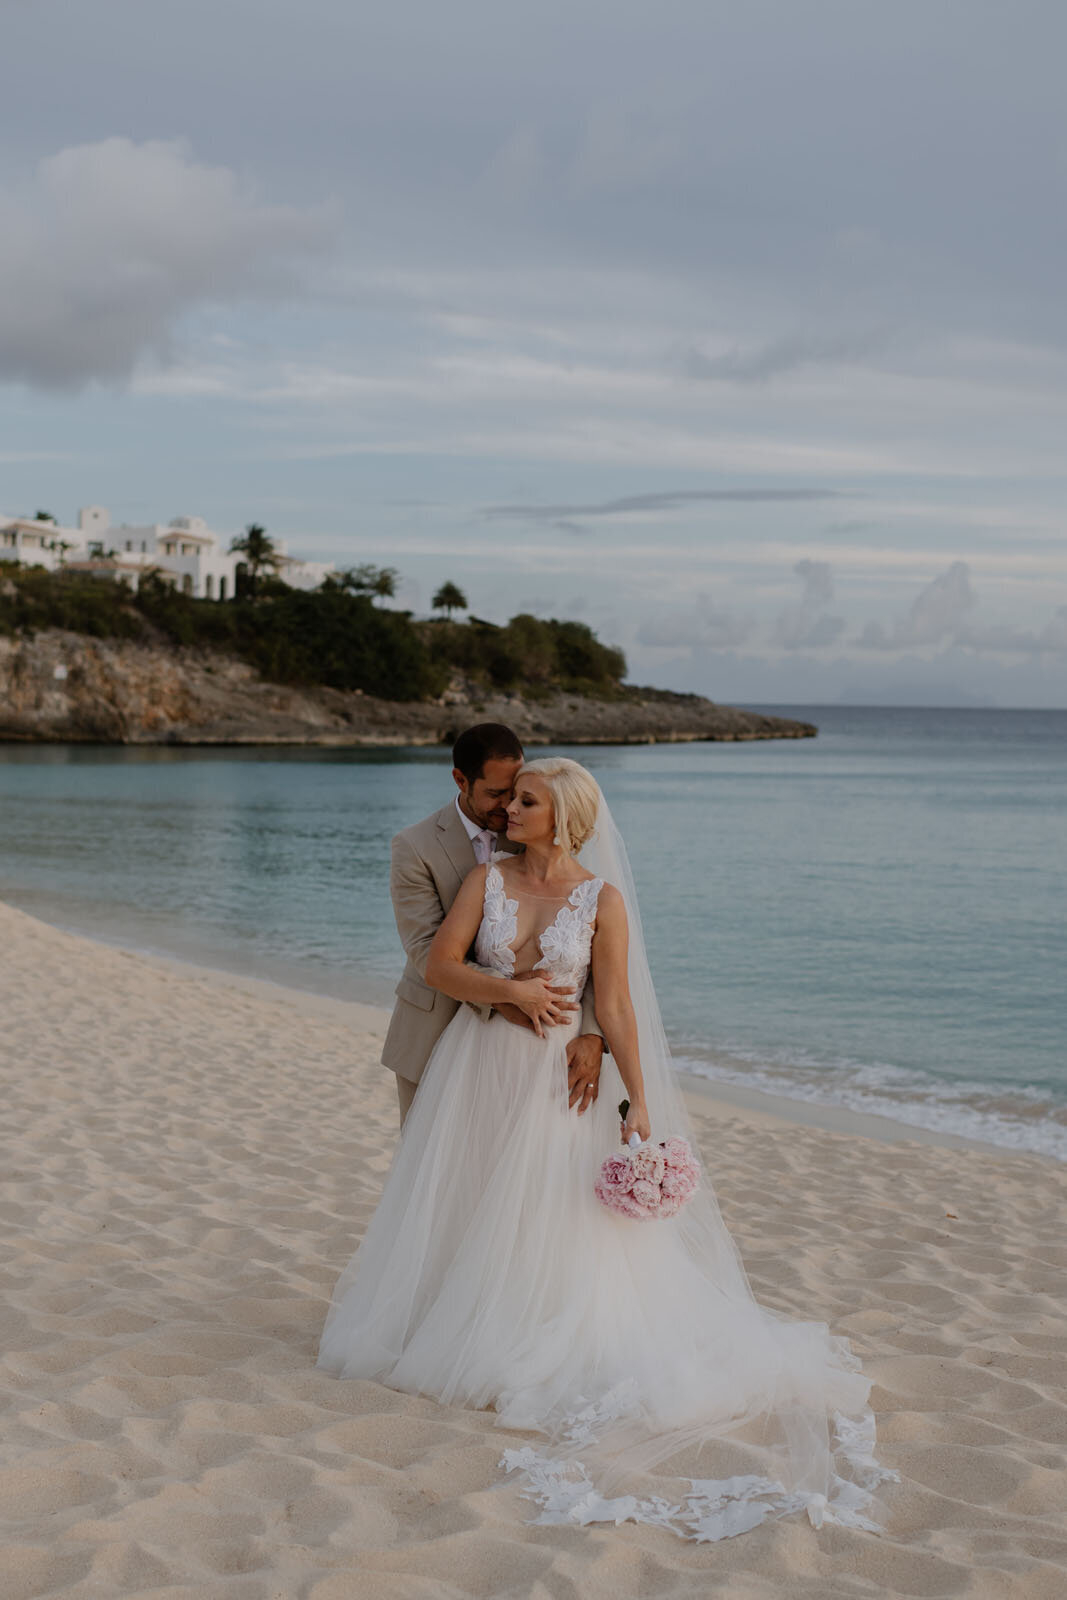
{"type": "Point", "coordinates": [484, 840]}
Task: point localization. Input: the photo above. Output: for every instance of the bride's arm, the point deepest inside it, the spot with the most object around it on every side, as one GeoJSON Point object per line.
{"type": "Point", "coordinates": [614, 1008]}
{"type": "Point", "coordinates": [448, 969]}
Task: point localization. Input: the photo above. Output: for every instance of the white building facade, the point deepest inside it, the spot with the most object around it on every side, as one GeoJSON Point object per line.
{"type": "Point", "coordinates": [184, 552]}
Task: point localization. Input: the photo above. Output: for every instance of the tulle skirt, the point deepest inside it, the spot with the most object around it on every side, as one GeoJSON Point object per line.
{"type": "Point", "coordinates": [490, 1275]}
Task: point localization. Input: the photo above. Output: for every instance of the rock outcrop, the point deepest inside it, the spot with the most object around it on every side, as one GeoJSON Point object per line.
{"type": "Point", "coordinates": [64, 687]}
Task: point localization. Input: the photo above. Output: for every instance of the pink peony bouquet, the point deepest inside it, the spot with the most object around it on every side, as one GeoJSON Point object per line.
{"type": "Point", "coordinates": [652, 1180]}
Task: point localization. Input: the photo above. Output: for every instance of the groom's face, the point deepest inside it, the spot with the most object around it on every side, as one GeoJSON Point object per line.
{"type": "Point", "coordinates": [486, 799]}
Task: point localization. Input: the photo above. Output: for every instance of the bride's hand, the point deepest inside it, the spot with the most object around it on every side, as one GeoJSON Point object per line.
{"type": "Point", "coordinates": [636, 1122]}
{"type": "Point", "coordinates": [544, 1003]}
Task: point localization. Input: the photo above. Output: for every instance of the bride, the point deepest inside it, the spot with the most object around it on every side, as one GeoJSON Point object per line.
{"type": "Point", "coordinates": [490, 1275]}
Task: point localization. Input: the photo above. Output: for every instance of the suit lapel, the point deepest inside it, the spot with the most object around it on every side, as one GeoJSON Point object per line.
{"type": "Point", "coordinates": [455, 840]}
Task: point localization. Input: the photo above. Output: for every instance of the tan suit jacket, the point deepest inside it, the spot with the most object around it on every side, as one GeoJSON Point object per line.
{"type": "Point", "coordinates": [430, 860]}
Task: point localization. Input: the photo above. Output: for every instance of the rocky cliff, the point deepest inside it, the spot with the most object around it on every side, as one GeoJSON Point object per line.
{"type": "Point", "coordinates": [64, 687]}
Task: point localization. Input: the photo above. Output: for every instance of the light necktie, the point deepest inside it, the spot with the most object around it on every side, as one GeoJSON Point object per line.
{"type": "Point", "coordinates": [483, 847]}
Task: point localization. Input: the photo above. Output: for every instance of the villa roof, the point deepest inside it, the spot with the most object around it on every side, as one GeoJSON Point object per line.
{"type": "Point", "coordinates": [36, 524]}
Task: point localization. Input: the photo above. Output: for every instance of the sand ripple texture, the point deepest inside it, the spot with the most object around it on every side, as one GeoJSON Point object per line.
{"type": "Point", "coordinates": [189, 1160]}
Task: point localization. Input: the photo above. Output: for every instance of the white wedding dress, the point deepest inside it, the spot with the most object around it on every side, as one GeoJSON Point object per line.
{"type": "Point", "coordinates": [490, 1275]}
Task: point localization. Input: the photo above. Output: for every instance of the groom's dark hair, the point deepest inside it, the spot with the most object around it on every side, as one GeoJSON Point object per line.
{"type": "Point", "coordinates": [486, 741]}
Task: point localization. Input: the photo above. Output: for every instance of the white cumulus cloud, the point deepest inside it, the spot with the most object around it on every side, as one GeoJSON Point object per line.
{"type": "Point", "coordinates": [113, 241]}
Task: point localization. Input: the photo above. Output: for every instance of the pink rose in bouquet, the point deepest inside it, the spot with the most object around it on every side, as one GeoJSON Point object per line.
{"type": "Point", "coordinates": [648, 1162]}
{"type": "Point", "coordinates": [616, 1174]}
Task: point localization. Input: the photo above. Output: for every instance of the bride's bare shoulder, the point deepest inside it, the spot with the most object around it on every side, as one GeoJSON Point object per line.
{"type": "Point", "coordinates": [610, 903]}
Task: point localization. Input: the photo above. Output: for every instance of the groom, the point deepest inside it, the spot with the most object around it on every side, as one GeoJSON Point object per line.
{"type": "Point", "coordinates": [430, 861]}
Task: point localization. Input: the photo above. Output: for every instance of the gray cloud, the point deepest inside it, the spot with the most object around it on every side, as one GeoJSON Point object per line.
{"type": "Point", "coordinates": [806, 625]}
{"type": "Point", "coordinates": [825, 631]}
{"type": "Point", "coordinates": [1054, 635]}
{"type": "Point", "coordinates": [850, 527]}
{"type": "Point", "coordinates": [936, 614]}
{"type": "Point", "coordinates": [701, 626]}
{"type": "Point", "coordinates": [114, 241]}
{"type": "Point", "coordinates": [1001, 639]}
{"type": "Point", "coordinates": [622, 150]}
{"type": "Point", "coordinates": [762, 362]}
{"type": "Point", "coordinates": [818, 581]}
{"type": "Point", "coordinates": [666, 501]}
{"type": "Point", "coordinates": [940, 608]}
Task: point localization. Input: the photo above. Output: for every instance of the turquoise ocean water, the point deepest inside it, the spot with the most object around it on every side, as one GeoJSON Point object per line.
{"type": "Point", "coordinates": [873, 918]}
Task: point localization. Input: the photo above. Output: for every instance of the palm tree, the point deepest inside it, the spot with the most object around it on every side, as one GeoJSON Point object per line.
{"type": "Point", "coordinates": [449, 598]}
{"type": "Point", "coordinates": [59, 548]}
{"type": "Point", "coordinates": [384, 585]}
{"type": "Point", "coordinates": [258, 549]}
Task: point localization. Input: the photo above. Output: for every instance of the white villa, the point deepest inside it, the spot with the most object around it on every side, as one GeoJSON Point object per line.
{"type": "Point", "coordinates": [184, 551]}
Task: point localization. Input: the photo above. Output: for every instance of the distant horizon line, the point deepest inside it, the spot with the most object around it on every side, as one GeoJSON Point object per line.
{"type": "Point", "coordinates": [874, 705]}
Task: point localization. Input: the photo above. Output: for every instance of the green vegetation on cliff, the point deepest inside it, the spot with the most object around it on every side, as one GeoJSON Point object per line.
{"type": "Point", "coordinates": [334, 635]}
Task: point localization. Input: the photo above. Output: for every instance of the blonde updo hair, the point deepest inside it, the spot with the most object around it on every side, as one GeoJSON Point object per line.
{"type": "Point", "coordinates": [575, 798]}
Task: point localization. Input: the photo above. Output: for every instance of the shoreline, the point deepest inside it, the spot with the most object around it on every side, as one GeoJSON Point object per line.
{"type": "Point", "coordinates": [757, 1105]}
{"type": "Point", "coordinates": [703, 1095]}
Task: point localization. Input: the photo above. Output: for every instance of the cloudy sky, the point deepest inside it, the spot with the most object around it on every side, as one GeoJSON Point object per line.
{"type": "Point", "coordinates": [738, 330]}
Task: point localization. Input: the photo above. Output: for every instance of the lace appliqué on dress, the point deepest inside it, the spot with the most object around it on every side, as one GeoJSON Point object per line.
{"type": "Point", "coordinates": [714, 1508]}
{"type": "Point", "coordinates": [492, 946]}
{"type": "Point", "coordinates": [567, 942]}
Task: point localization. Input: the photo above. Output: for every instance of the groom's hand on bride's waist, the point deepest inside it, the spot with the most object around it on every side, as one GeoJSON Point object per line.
{"type": "Point", "coordinates": [584, 1056]}
{"type": "Point", "coordinates": [565, 1002]}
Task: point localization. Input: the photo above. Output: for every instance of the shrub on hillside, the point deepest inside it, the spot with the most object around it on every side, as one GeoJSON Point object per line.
{"type": "Point", "coordinates": [33, 598]}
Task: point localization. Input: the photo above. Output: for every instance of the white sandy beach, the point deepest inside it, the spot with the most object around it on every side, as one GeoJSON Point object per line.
{"type": "Point", "coordinates": [188, 1161]}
